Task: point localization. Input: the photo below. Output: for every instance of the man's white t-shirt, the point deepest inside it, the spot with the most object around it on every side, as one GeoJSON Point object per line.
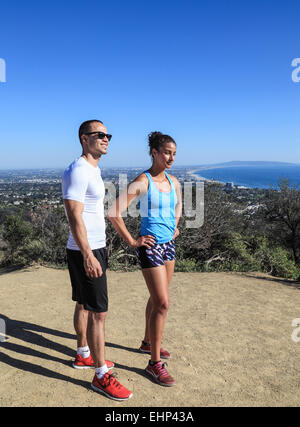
{"type": "Point", "coordinates": [82, 182]}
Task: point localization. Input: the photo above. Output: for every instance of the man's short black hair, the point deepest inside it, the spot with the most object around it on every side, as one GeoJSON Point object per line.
{"type": "Point", "coordinates": [85, 127]}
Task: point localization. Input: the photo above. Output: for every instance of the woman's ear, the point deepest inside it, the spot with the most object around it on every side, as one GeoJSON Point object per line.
{"type": "Point", "coordinates": [154, 152]}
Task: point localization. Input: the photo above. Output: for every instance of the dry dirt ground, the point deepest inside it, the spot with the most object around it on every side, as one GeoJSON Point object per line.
{"type": "Point", "coordinates": [230, 336]}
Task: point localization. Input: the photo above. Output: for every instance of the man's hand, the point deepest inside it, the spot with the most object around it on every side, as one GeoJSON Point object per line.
{"type": "Point", "coordinates": [92, 266]}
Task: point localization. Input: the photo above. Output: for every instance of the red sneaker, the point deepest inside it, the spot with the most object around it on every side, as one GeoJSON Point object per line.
{"type": "Point", "coordinates": [160, 374]}
{"type": "Point", "coordinates": [110, 387]}
{"type": "Point", "coordinates": [88, 362]}
{"type": "Point", "coordinates": [146, 348]}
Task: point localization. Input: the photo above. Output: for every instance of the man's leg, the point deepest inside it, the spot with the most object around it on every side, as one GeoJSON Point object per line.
{"type": "Point", "coordinates": [96, 338]}
{"type": "Point", "coordinates": [102, 380]}
{"type": "Point", "coordinates": [80, 325]}
{"type": "Point", "coordinates": [80, 321]}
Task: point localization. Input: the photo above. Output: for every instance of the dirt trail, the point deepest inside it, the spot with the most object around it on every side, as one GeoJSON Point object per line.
{"type": "Point", "coordinates": [229, 335]}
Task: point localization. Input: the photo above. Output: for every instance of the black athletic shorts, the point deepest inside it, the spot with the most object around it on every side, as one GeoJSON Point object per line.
{"type": "Point", "coordinates": [91, 293]}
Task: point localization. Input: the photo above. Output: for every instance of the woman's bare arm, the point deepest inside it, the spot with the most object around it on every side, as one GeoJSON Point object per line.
{"type": "Point", "coordinates": [138, 187]}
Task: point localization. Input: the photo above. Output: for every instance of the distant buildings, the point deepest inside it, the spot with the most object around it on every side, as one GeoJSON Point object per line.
{"type": "Point", "coordinates": [229, 186]}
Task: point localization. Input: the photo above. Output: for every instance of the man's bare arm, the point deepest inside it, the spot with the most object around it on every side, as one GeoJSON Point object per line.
{"type": "Point", "coordinates": [74, 211]}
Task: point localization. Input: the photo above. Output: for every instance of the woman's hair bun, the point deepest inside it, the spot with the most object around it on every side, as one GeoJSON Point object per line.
{"type": "Point", "coordinates": [157, 139]}
{"type": "Point", "coordinates": [154, 136]}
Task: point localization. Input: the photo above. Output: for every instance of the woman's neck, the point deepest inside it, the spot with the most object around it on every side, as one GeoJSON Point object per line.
{"type": "Point", "coordinates": [157, 171]}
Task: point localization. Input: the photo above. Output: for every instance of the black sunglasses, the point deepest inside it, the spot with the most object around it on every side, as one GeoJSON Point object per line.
{"type": "Point", "coordinates": [100, 135]}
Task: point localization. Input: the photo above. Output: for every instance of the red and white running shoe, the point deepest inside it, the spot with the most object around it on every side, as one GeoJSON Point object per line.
{"type": "Point", "coordinates": [160, 374]}
{"type": "Point", "coordinates": [110, 387]}
{"type": "Point", "coordinates": [88, 362]}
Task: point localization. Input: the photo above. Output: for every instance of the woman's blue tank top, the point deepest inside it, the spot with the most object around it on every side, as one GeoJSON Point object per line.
{"type": "Point", "coordinates": [157, 210]}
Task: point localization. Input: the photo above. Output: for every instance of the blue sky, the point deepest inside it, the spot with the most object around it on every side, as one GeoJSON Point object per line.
{"type": "Point", "coordinates": [215, 75]}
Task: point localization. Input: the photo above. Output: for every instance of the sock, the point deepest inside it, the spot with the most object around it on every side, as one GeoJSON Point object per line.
{"type": "Point", "coordinates": [84, 351]}
{"type": "Point", "coordinates": [100, 372]}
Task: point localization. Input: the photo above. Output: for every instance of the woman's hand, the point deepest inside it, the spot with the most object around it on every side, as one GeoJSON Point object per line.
{"type": "Point", "coordinates": [176, 233]}
{"type": "Point", "coordinates": [147, 241]}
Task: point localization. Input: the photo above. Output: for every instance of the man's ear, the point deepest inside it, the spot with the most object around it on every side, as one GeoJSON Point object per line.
{"type": "Point", "coordinates": [83, 140]}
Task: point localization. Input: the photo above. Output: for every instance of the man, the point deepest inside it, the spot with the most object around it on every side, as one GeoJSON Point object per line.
{"type": "Point", "coordinates": [83, 194]}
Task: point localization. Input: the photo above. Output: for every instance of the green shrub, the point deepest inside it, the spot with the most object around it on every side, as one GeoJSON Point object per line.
{"type": "Point", "coordinates": [186, 265]}
{"type": "Point", "coordinates": [16, 233]}
{"type": "Point", "coordinates": [239, 254]}
{"type": "Point", "coordinates": [32, 251]}
{"type": "Point", "coordinates": [277, 261]}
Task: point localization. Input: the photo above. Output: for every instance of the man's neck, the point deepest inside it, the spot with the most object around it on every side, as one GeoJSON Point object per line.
{"type": "Point", "coordinates": [91, 159]}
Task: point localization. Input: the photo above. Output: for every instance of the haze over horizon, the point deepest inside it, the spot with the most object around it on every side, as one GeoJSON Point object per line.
{"type": "Point", "coordinates": [196, 165]}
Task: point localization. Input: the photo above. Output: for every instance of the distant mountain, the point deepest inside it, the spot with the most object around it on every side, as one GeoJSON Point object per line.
{"type": "Point", "coordinates": [243, 163]}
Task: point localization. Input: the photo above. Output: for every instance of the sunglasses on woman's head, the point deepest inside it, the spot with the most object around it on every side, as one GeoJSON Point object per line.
{"type": "Point", "coordinates": [100, 135]}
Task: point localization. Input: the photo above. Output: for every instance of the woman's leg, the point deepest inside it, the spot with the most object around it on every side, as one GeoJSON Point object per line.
{"type": "Point", "coordinates": [157, 282]}
{"type": "Point", "coordinates": [170, 265]}
{"type": "Point", "coordinates": [170, 270]}
{"type": "Point", "coordinates": [147, 320]}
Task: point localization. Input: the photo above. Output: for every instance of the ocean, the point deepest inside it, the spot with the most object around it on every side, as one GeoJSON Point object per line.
{"type": "Point", "coordinates": [256, 176]}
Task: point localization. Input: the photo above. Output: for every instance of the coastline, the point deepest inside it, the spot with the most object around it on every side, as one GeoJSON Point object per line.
{"type": "Point", "coordinates": [262, 177]}
{"type": "Point", "coordinates": [201, 178]}
{"type": "Point", "coordinates": [213, 181]}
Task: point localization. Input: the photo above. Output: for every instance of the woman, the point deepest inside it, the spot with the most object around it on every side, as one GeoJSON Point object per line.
{"type": "Point", "coordinates": [159, 197]}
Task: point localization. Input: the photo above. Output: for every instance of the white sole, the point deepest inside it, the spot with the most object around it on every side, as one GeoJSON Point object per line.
{"type": "Point", "coordinates": [82, 367]}
{"type": "Point", "coordinates": [87, 367]}
{"type": "Point", "coordinates": [99, 390]}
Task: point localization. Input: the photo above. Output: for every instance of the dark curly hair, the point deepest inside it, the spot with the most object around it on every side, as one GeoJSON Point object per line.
{"type": "Point", "coordinates": [157, 140]}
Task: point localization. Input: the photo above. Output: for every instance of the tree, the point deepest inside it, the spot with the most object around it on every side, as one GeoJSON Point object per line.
{"type": "Point", "coordinates": [282, 211]}
{"type": "Point", "coordinates": [206, 242]}
{"type": "Point", "coordinates": [16, 232]}
{"type": "Point", "coordinates": [51, 230]}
